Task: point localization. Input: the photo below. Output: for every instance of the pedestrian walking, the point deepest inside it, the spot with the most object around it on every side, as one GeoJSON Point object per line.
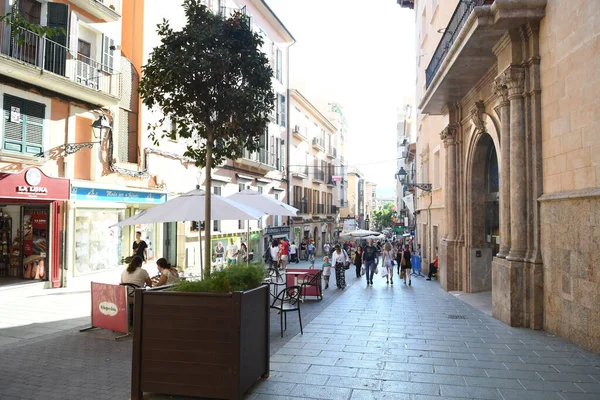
{"type": "Point", "coordinates": [310, 249]}
{"type": "Point", "coordinates": [340, 260]}
{"type": "Point", "coordinates": [326, 271]}
{"type": "Point", "coordinates": [371, 259]}
{"type": "Point", "coordinates": [358, 261]}
{"type": "Point", "coordinates": [294, 253]}
{"type": "Point", "coordinates": [405, 265]}
{"type": "Point", "coordinates": [387, 259]}
{"type": "Point", "coordinates": [275, 254]}
{"type": "Point", "coordinates": [327, 248]}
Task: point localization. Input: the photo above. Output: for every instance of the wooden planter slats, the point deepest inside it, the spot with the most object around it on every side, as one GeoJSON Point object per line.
{"type": "Point", "coordinates": [200, 344]}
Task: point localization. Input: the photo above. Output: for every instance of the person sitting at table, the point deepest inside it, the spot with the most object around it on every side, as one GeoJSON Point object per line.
{"type": "Point", "coordinates": [433, 267]}
{"type": "Point", "coordinates": [135, 274]}
{"type": "Point", "coordinates": [168, 274]}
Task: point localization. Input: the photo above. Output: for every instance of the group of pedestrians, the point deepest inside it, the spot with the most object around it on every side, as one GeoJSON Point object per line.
{"type": "Point", "coordinates": [367, 259]}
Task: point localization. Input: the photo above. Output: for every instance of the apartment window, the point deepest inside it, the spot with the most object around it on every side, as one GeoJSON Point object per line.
{"type": "Point", "coordinates": [282, 110]}
{"type": "Point", "coordinates": [84, 51]}
{"type": "Point", "coordinates": [108, 61]}
{"type": "Point", "coordinates": [425, 171]}
{"type": "Point", "coordinates": [436, 169]}
{"type": "Point", "coordinates": [315, 200]}
{"type": "Point", "coordinates": [31, 10]}
{"type": "Point", "coordinates": [23, 125]}
{"type": "Point", "coordinates": [173, 134]}
{"type": "Point", "coordinates": [279, 65]}
{"type": "Point", "coordinates": [307, 200]}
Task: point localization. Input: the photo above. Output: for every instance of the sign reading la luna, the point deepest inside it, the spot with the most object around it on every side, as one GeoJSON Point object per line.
{"type": "Point", "coordinates": [122, 196]}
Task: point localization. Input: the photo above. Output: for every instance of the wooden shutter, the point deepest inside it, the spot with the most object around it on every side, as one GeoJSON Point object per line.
{"type": "Point", "coordinates": [107, 54]}
{"type": "Point", "coordinates": [55, 58]}
{"type": "Point", "coordinates": [25, 136]}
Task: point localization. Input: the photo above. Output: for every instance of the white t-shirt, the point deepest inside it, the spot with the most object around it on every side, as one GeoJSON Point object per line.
{"type": "Point", "coordinates": [137, 277]}
{"type": "Point", "coordinates": [172, 276]}
{"type": "Point", "coordinates": [293, 249]}
{"type": "Point", "coordinates": [274, 253]}
{"type": "Point", "coordinates": [231, 250]}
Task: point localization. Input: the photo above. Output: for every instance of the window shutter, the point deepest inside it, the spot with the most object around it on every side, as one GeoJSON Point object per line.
{"type": "Point", "coordinates": [107, 54]}
{"type": "Point", "coordinates": [25, 136]}
{"type": "Point", "coordinates": [56, 50]}
{"type": "Point", "coordinates": [282, 110]}
{"type": "Point", "coordinates": [279, 65]}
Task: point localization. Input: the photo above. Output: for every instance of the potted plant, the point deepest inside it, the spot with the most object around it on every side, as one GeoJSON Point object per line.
{"type": "Point", "coordinates": [207, 338]}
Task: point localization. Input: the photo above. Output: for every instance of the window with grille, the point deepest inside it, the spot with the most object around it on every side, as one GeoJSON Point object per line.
{"type": "Point", "coordinates": [23, 125]}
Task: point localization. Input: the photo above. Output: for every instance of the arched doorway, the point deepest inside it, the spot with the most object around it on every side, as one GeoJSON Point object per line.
{"type": "Point", "coordinates": [485, 214]}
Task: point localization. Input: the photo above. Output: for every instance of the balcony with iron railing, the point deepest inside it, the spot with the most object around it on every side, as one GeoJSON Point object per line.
{"type": "Point", "coordinates": [465, 52]}
{"type": "Point", "coordinates": [329, 152]}
{"type": "Point", "coordinates": [31, 58]}
{"type": "Point", "coordinates": [320, 208]}
{"type": "Point", "coordinates": [318, 143]}
{"type": "Point", "coordinates": [302, 207]}
{"type": "Point", "coordinates": [262, 158]}
{"type": "Point", "coordinates": [333, 210]}
{"type": "Point", "coordinates": [297, 132]}
{"type": "Point", "coordinates": [318, 175]}
{"type": "Point", "coordinates": [299, 171]}
{"type": "Point", "coordinates": [106, 10]}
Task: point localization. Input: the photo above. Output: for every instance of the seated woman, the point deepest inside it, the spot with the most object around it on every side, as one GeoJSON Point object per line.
{"type": "Point", "coordinates": [168, 274]}
{"type": "Point", "coordinates": [136, 274]}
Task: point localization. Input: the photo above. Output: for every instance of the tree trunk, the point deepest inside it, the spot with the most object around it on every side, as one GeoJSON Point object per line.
{"type": "Point", "coordinates": [207, 204]}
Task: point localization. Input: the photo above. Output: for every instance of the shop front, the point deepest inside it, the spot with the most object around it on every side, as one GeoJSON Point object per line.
{"type": "Point", "coordinates": [94, 244]}
{"type": "Point", "coordinates": [31, 226]}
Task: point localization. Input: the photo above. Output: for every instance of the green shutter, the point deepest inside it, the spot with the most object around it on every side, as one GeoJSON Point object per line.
{"type": "Point", "coordinates": [27, 135]}
{"type": "Point", "coordinates": [55, 57]}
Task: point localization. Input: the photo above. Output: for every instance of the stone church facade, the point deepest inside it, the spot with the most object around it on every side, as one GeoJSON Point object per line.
{"type": "Point", "coordinates": [511, 89]}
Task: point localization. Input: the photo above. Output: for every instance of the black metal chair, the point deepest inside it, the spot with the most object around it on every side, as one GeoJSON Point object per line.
{"type": "Point", "coordinates": [275, 280]}
{"type": "Point", "coordinates": [312, 280]}
{"type": "Point", "coordinates": [130, 298]}
{"type": "Point", "coordinates": [288, 300]}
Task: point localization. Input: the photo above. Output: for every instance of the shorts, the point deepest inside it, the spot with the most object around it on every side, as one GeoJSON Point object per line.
{"type": "Point", "coordinates": [284, 257]}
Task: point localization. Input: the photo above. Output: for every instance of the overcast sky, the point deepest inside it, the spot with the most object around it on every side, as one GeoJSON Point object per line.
{"type": "Point", "coordinates": [359, 53]}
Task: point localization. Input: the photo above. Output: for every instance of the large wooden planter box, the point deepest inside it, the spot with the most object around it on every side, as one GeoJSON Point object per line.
{"type": "Point", "coordinates": [200, 344]}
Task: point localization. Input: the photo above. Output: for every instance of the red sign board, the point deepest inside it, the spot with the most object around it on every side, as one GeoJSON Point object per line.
{"type": "Point", "coordinates": [32, 183]}
{"type": "Point", "coordinates": [109, 307]}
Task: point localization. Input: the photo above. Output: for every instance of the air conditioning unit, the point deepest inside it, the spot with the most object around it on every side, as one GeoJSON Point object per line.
{"type": "Point", "coordinates": [296, 128]}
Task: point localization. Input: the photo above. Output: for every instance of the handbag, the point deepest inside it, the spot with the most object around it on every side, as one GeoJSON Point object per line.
{"type": "Point", "coordinates": [347, 263]}
{"type": "Point", "coordinates": [403, 262]}
{"type": "Point", "coordinates": [402, 274]}
{"type": "Point", "coordinates": [384, 272]}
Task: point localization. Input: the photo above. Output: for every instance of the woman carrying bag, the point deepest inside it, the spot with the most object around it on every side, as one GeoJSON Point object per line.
{"type": "Point", "coordinates": [340, 260]}
{"type": "Point", "coordinates": [388, 264]}
{"type": "Point", "coordinates": [404, 264]}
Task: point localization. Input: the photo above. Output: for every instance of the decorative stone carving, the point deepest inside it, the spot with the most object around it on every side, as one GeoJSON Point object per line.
{"type": "Point", "coordinates": [514, 78]}
{"type": "Point", "coordinates": [477, 116]}
{"type": "Point", "coordinates": [425, 154]}
{"type": "Point", "coordinates": [448, 135]}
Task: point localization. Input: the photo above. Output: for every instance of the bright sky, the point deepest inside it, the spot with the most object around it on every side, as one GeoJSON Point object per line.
{"type": "Point", "coordinates": [359, 53]}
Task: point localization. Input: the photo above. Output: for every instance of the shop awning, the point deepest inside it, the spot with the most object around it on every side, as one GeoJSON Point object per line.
{"type": "Point", "coordinates": [32, 183]}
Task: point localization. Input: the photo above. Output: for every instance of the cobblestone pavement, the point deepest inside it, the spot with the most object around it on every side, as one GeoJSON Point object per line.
{"type": "Point", "coordinates": [380, 342]}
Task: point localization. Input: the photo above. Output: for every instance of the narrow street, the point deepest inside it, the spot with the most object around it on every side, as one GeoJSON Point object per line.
{"type": "Point", "coordinates": [381, 342]}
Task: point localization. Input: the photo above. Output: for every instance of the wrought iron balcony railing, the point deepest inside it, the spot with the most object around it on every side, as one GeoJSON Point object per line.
{"type": "Point", "coordinates": [318, 174]}
{"type": "Point", "coordinates": [457, 22]}
{"type": "Point", "coordinates": [320, 208]}
{"type": "Point", "coordinates": [301, 206]}
{"type": "Point", "coordinates": [333, 210]}
{"type": "Point", "coordinates": [263, 157]}
{"type": "Point", "coordinates": [30, 48]}
{"type": "Point", "coordinates": [316, 141]}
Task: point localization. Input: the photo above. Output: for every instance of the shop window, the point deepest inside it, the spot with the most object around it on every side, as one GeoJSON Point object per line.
{"type": "Point", "coordinates": [23, 125]}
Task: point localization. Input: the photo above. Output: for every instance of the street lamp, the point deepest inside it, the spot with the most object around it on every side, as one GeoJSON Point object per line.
{"type": "Point", "coordinates": [100, 125]}
{"type": "Point", "coordinates": [401, 176]}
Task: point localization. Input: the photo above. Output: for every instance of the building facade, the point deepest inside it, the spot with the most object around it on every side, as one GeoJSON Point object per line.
{"type": "Point", "coordinates": [508, 91]}
{"type": "Point", "coordinates": [52, 92]}
{"type": "Point", "coordinates": [355, 210]}
{"type": "Point", "coordinates": [313, 159]}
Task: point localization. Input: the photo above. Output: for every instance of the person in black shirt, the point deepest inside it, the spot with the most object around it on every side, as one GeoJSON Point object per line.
{"type": "Point", "coordinates": [371, 259]}
{"type": "Point", "coordinates": [140, 248]}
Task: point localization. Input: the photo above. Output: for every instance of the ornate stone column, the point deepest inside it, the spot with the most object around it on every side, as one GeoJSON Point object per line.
{"type": "Point", "coordinates": [503, 111]}
{"type": "Point", "coordinates": [515, 77]}
{"type": "Point", "coordinates": [448, 136]}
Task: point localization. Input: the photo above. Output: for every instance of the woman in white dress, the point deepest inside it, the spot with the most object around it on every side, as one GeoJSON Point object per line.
{"type": "Point", "coordinates": [168, 274]}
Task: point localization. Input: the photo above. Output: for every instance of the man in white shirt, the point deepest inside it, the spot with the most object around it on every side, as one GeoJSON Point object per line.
{"type": "Point", "coordinates": [232, 252]}
{"type": "Point", "coordinates": [294, 253]}
{"type": "Point", "coordinates": [327, 249]}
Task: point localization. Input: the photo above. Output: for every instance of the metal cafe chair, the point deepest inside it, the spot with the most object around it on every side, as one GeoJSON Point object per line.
{"type": "Point", "coordinates": [312, 280]}
{"type": "Point", "coordinates": [288, 300]}
{"type": "Point", "coordinates": [130, 298]}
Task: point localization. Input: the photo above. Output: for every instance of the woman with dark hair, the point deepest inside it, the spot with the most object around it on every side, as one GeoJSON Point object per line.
{"type": "Point", "coordinates": [358, 261]}
{"type": "Point", "coordinates": [136, 274]}
{"type": "Point", "coordinates": [275, 253]}
{"type": "Point", "coordinates": [168, 274]}
{"type": "Point", "coordinates": [243, 254]}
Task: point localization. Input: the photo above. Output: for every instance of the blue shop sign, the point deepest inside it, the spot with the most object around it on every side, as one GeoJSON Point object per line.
{"type": "Point", "coordinates": [115, 195]}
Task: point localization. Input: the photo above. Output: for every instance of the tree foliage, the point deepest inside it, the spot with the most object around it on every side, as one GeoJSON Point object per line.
{"type": "Point", "coordinates": [383, 218]}
{"type": "Point", "coordinates": [212, 80]}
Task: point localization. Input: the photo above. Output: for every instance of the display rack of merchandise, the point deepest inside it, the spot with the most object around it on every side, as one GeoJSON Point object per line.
{"type": "Point", "coordinates": [15, 255]}
{"type": "Point", "coordinates": [5, 241]}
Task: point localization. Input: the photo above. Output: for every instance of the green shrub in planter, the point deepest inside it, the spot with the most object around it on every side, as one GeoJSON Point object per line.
{"type": "Point", "coordinates": [235, 278]}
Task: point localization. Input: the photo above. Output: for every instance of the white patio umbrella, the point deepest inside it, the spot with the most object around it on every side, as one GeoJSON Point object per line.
{"type": "Point", "coordinates": [190, 207]}
{"type": "Point", "coordinates": [264, 203]}
{"type": "Point", "coordinates": [359, 233]}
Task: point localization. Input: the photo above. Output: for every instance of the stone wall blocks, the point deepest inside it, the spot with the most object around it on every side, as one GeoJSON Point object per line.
{"type": "Point", "coordinates": [577, 159]}
{"type": "Point", "coordinates": [580, 262]}
{"type": "Point", "coordinates": [570, 140]}
{"type": "Point", "coordinates": [584, 178]}
{"type": "Point", "coordinates": [585, 293]}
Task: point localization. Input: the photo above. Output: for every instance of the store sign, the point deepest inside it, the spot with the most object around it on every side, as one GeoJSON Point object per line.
{"type": "Point", "coordinates": [349, 224]}
{"type": "Point", "coordinates": [32, 183]}
{"type": "Point", "coordinates": [109, 307]}
{"type": "Point", "coordinates": [120, 196]}
{"type": "Point", "coordinates": [336, 178]}
{"type": "Point", "coordinates": [277, 230]}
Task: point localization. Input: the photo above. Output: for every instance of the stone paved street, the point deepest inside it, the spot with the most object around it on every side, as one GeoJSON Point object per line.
{"type": "Point", "coordinates": [380, 342]}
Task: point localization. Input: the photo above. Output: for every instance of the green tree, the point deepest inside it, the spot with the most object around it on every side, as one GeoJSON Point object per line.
{"type": "Point", "coordinates": [383, 218]}
{"type": "Point", "coordinates": [214, 83]}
